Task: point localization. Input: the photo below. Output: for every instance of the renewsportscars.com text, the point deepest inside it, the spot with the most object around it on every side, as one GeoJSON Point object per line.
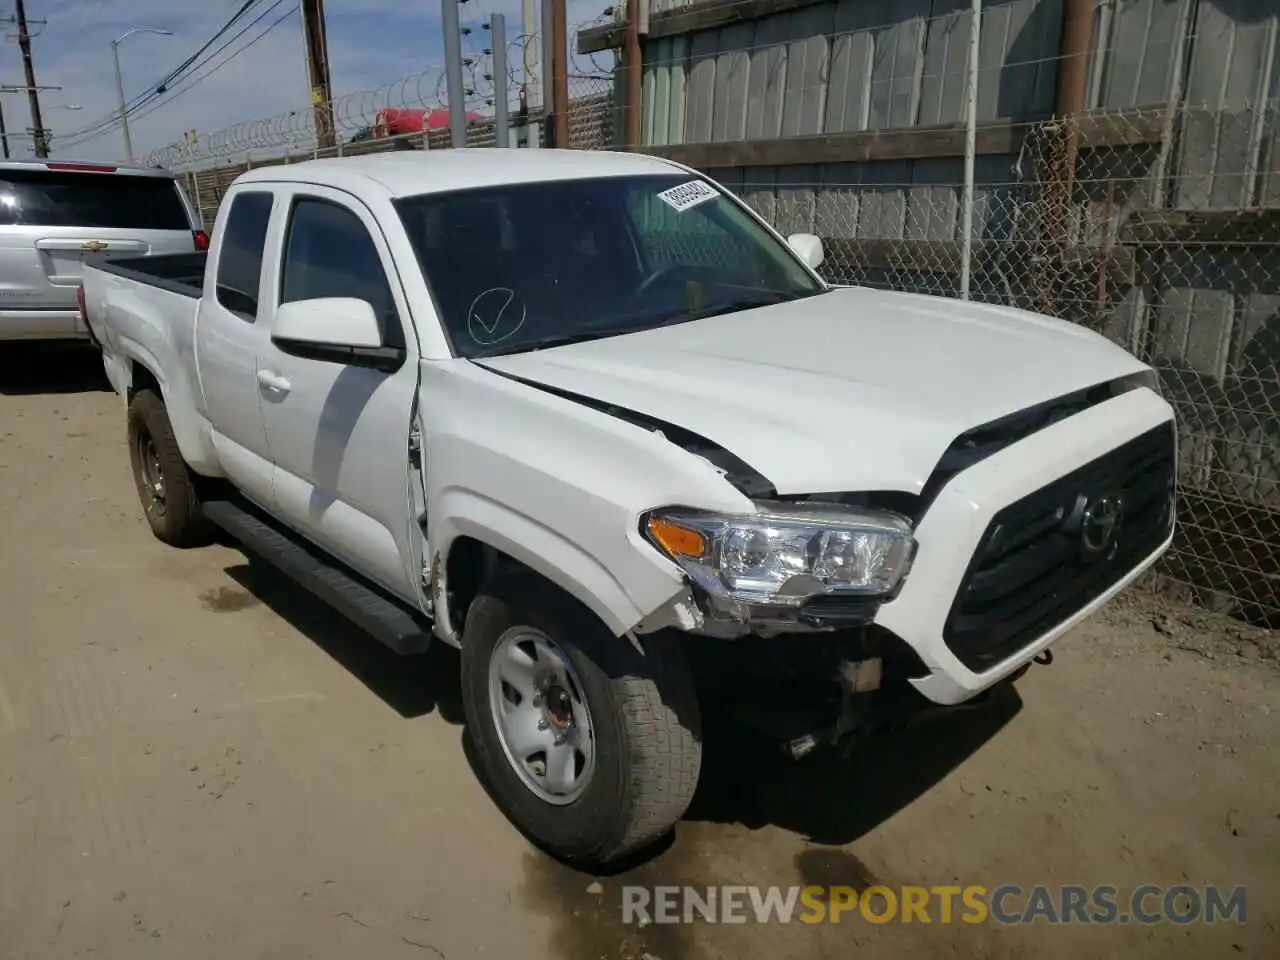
{"type": "Point", "coordinates": [973, 904]}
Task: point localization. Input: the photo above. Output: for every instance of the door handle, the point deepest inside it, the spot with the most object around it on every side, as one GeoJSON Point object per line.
{"type": "Point", "coordinates": [273, 381]}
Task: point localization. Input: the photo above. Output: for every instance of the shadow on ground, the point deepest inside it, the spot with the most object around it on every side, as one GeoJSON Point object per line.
{"type": "Point", "coordinates": [27, 369]}
{"type": "Point", "coordinates": [413, 686]}
{"type": "Point", "coordinates": [828, 798]}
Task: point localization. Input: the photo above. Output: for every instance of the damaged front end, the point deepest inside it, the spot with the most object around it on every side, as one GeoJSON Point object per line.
{"type": "Point", "coordinates": [819, 689]}
{"type": "Point", "coordinates": [779, 618]}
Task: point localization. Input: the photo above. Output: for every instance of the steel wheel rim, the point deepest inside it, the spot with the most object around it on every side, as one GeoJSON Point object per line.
{"type": "Point", "coordinates": [540, 714]}
{"type": "Point", "coordinates": [152, 472]}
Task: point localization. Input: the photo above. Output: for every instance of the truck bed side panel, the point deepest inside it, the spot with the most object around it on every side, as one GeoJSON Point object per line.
{"type": "Point", "coordinates": [152, 325]}
{"type": "Point", "coordinates": [180, 273]}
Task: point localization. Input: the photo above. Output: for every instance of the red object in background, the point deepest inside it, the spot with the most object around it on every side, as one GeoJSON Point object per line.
{"type": "Point", "coordinates": [201, 239]}
{"type": "Point", "coordinates": [400, 120]}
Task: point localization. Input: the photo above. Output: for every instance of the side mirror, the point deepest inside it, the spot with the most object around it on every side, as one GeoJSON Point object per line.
{"type": "Point", "coordinates": [334, 330]}
{"type": "Point", "coordinates": [808, 247]}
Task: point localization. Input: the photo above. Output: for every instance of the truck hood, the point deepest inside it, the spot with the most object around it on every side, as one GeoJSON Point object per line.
{"type": "Point", "coordinates": [855, 389]}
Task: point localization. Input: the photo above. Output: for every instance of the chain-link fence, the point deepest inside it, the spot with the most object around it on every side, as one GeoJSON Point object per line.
{"type": "Point", "coordinates": [1163, 234]}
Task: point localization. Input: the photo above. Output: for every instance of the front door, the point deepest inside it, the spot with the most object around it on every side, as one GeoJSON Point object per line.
{"type": "Point", "coordinates": [339, 435]}
{"type": "Point", "coordinates": [230, 333]}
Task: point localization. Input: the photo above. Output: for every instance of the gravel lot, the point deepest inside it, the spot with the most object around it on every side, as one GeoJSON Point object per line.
{"type": "Point", "coordinates": [197, 760]}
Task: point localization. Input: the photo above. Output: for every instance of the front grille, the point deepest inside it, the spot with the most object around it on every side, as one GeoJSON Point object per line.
{"type": "Point", "coordinates": [1048, 555]}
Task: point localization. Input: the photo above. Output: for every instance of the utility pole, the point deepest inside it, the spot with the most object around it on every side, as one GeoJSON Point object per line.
{"type": "Point", "coordinates": [41, 142]}
{"type": "Point", "coordinates": [560, 72]}
{"type": "Point", "coordinates": [317, 46]}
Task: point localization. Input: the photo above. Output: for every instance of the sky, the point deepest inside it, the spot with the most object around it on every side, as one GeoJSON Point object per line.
{"type": "Point", "coordinates": [372, 44]}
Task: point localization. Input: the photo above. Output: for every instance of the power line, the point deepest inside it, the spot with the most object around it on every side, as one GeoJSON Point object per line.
{"type": "Point", "coordinates": [110, 122]}
{"type": "Point", "coordinates": [244, 8]}
{"type": "Point", "coordinates": [192, 79]}
{"type": "Point", "coordinates": [157, 88]}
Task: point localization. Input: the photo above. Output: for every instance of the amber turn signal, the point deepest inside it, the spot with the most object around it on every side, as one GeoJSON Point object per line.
{"type": "Point", "coordinates": [678, 541]}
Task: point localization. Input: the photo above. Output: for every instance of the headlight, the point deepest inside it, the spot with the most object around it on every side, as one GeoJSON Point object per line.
{"type": "Point", "coordinates": [785, 554]}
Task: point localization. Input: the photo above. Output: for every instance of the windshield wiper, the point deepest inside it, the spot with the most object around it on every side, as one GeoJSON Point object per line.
{"type": "Point", "coordinates": [683, 316]}
{"type": "Point", "coordinates": [731, 306]}
{"type": "Point", "coordinates": [559, 340]}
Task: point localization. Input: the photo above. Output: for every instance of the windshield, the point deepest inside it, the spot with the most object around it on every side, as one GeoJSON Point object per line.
{"type": "Point", "coordinates": [524, 266]}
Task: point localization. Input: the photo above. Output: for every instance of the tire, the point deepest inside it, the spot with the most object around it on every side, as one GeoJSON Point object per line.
{"type": "Point", "coordinates": [643, 716]}
{"type": "Point", "coordinates": [174, 513]}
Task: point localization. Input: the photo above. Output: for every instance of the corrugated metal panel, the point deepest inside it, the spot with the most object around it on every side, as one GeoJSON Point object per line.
{"type": "Point", "coordinates": [700, 90]}
{"type": "Point", "coordinates": [768, 79]}
{"type": "Point", "coordinates": [933, 200]}
{"type": "Point", "coordinates": [897, 66]}
{"type": "Point", "coordinates": [892, 200]}
{"type": "Point", "coordinates": [796, 211]}
{"type": "Point", "coordinates": [855, 65]}
{"type": "Point", "coordinates": [759, 190]}
{"type": "Point", "coordinates": [849, 80]}
{"type": "Point", "coordinates": [838, 199]}
{"type": "Point", "coordinates": [1140, 52]}
{"type": "Point", "coordinates": [1232, 61]}
{"type": "Point", "coordinates": [946, 61]}
{"type": "Point", "coordinates": [1229, 49]}
{"type": "Point", "coordinates": [671, 74]}
{"type": "Point", "coordinates": [804, 104]}
{"type": "Point", "coordinates": [729, 97]}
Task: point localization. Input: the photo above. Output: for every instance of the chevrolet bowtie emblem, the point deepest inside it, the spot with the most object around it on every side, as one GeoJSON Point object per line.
{"type": "Point", "coordinates": [95, 246]}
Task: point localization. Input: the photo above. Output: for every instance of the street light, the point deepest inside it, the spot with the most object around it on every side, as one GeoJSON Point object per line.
{"type": "Point", "coordinates": [115, 52]}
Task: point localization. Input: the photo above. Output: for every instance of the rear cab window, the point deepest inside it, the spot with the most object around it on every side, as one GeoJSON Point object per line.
{"type": "Point", "coordinates": [240, 255]}
{"type": "Point", "coordinates": [61, 198]}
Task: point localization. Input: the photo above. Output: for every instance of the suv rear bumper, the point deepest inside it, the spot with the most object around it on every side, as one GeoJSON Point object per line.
{"type": "Point", "coordinates": [42, 325]}
{"type": "Point", "coordinates": [959, 521]}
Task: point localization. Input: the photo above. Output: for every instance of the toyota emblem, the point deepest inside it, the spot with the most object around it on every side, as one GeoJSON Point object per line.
{"type": "Point", "coordinates": [1100, 523]}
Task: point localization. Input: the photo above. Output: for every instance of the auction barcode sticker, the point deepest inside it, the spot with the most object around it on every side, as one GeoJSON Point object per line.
{"type": "Point", "coordinates": [688, 195]}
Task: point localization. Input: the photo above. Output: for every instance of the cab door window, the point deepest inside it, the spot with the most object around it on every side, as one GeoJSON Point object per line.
{"type": "Point", "coordinates": [328, 252]}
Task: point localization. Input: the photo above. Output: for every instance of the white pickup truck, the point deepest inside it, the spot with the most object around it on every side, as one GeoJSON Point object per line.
{"type": "Point", "coordinates": [588, 418]}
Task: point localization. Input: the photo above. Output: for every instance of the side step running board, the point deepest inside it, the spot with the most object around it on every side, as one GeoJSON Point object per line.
{"type": "Point", "coordinates": [388, 621]}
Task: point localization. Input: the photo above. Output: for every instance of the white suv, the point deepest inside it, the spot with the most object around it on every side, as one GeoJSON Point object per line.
{"type": "Point", "coordinates": [53, 214]}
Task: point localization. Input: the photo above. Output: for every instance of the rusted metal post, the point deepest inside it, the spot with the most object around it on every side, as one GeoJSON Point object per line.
{"type": "Point", "coordinates": [633, 63]}
{"type": "Point", "coordinates": [1061, 154]}
{"type": "Point", "coordinates": [560, 72]}
{"type": "Point", "coordinates": [1073, 68]}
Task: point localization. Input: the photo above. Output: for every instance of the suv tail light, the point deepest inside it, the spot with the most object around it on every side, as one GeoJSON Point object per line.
{"type": "Point", "coordinates": [201, 238]}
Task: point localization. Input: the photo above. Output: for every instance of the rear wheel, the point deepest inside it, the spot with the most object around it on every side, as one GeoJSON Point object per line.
{"type": "Point", "coordinates": [166, 486]}
{"type": "Point", "coordinates": [590, 746]}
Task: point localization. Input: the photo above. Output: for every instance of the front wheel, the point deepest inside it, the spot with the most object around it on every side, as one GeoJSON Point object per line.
{"type": "Point", "coordinates": [166, 486]}
{"type": "Point", "coordinates": [590, 747]}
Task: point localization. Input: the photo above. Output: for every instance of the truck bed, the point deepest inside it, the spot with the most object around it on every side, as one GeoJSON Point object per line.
{"type": "Point", "coordinates": [180, 273]}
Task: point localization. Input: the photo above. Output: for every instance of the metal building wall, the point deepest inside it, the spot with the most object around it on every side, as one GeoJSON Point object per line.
{"type": "Point", "coordinates": [1205, 309]}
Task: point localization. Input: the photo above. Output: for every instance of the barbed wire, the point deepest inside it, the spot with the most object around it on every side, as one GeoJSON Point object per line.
{"type": "Point", "coordinates": [357, 113]}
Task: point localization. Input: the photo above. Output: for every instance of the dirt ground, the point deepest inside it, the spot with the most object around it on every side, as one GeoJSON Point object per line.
{"type": "Point", "coordinates": [196, 760]}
